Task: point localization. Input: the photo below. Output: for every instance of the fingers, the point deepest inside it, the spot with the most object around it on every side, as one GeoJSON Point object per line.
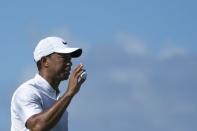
{"type": "Point", "coordinates": [78, 68]}
{"type": "Point", "coordinates": [75, 81]}
{"type": "Point", "coordinates": [81, 81]}
{"type": "Point", "coordinates": [78, 71]}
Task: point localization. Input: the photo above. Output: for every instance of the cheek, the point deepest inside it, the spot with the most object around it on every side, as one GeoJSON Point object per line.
{"type": "Point", "coordinates": [59, 67]}
{"type": "Point", "coordinates": [55, 67]}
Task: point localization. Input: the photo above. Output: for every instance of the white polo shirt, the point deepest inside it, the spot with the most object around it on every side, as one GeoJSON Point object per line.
{"type": "Point", "coordinates": [33, 97]}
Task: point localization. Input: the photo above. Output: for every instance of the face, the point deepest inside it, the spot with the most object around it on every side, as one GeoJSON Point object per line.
{"type": "Point", "coordinates": [59, 66]}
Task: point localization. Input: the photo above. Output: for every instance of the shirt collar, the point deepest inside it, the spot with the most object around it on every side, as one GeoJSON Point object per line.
{"type": "Point", "coordinates": [46, 87]}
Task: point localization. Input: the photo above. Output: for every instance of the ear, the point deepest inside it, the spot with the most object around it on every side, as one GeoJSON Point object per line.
{"type": "Point", "coordinates": [44, 62]}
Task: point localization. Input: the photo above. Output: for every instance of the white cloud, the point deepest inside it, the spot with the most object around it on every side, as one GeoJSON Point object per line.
{"type": "Point", "coordinates": [132, 45]}
{"type": "Point", "coordinates": [127, 75]}
{"type": "Point", "coordinates": [172, 51]}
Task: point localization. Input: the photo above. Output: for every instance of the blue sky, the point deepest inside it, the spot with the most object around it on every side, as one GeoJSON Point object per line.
{"type": "Point", "coordinates": [140, 57]}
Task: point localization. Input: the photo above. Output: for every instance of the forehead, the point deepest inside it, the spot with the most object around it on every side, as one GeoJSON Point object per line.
{"type": "Point", "coordinates": [62, 55]}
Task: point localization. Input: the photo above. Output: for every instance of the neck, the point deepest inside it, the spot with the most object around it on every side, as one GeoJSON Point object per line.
{"type": "Point", "coordinates": [51, 80]}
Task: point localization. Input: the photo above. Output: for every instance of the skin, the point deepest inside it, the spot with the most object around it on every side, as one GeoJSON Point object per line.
{"type": "Point", "coordinates": [56, 68]}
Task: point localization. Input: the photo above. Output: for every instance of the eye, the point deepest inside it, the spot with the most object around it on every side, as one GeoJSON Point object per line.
{"type": "Point", "coordinates": [66, 58]}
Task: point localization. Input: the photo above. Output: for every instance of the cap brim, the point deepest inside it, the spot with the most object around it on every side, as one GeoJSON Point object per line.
{"type": "Point", "coordinates": [75, 52]}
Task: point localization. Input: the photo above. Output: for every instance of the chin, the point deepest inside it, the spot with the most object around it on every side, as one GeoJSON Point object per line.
{"type": "Point", "coordinates": [65, 77]}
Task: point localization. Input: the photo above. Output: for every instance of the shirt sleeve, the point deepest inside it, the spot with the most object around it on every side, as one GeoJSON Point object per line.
{"type": "Point", "coordinates": [28, 103]}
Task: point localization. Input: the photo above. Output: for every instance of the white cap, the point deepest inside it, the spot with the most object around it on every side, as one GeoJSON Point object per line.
{"type": "Point", "coordinates": [51, 45]}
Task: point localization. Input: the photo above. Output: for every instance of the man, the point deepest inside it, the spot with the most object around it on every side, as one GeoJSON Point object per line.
{"type": "Point", "coordinates": [36, 104]}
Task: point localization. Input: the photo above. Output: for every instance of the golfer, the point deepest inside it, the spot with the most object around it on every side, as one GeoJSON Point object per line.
{"type": "Point", "coordinates": [36, 104]}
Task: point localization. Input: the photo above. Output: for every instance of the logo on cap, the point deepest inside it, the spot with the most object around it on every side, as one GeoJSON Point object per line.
{"type": "Point", "coordinates": [64, 42]}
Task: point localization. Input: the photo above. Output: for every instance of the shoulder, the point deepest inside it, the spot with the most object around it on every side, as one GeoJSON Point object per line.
{"type": "Point", "coordinates": [26, 92]}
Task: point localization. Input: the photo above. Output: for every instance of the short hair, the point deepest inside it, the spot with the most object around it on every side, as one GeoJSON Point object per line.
{"type": "Point", "coordinates": [38, 63]}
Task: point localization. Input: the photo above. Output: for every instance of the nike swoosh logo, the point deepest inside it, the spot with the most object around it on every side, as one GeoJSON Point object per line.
{"type": "Point", "coordinates": [64, 42]}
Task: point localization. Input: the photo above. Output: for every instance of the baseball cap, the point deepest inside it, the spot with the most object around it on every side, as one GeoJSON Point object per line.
{"type": "Point", "coordinates": [51, 45]}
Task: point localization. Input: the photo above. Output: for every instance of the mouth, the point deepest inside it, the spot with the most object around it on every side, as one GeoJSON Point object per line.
{"type": "Point", "coordinates": [67, 70]}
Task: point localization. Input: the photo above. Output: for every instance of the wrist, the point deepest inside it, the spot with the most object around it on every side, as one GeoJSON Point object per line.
{"type": "Point", "coordinates": [69, 93]}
